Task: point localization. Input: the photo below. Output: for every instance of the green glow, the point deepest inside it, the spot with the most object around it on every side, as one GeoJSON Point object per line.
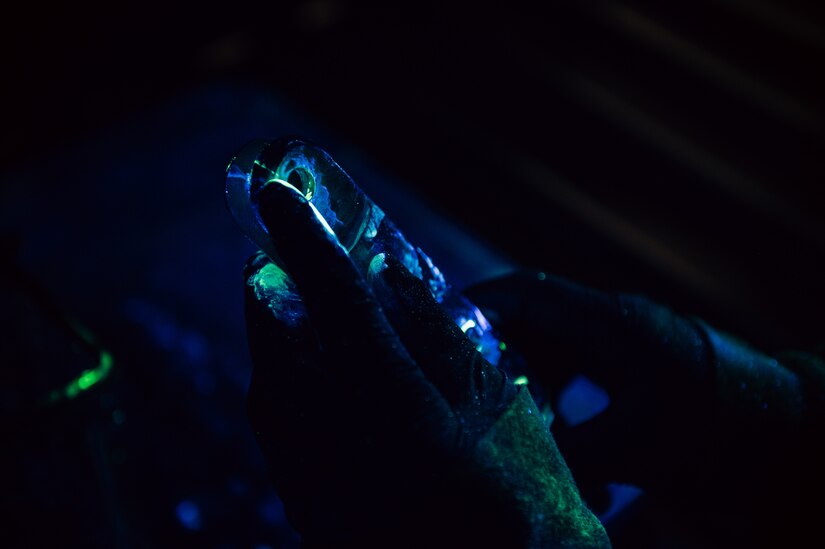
{"type": "Point", "coordinates": [258, 163]}
{"type": "Point", "coordinates": [299, 167]}
{"type": "Point", "coordinates": [274, 288]}
{"type": "Point", "coordinates": [90, 377]}
{"type": "Point", "coordinates": [502, 346]}
{"type": "Point", "coordinates": [467, 325]}
{"type": "Point", "coordinates": [378, 264]}
{"type": "Point", "coordinates": [87, 378]}
{"type": "Point", "coordinates": [270, 282]}
{"type": "Point", "coordinates": [541, 276]}
{"type": "Point", "coordinates": [72, 390]}
{"type": "Point", "coordinates": [521, 380]}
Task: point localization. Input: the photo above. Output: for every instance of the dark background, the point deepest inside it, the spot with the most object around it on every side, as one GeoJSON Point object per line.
{"type": "Point", "coordinates": [672, 149]}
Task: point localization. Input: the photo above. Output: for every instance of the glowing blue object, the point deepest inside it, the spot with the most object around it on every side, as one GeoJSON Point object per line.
{"type": "Point", "coordinates": [581, 400]}
{"type": "Point", "coordinates": [189, 515]}
{"type": "Point", "coordinates": [271, 511]}
{"type": "Point", "coordinates": [621, 495]}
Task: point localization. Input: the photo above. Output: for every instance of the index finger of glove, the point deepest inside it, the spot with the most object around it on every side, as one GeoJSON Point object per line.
{"type": "Point", "coordinates": [343, 310]}
{"type": "Point", "coordinates": [470, 384]}
{"type": "Point", "coordinates": [363, 353]}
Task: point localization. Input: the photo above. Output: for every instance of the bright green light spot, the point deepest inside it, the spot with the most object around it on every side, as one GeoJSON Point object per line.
{"type": "Point", "coordinates": [269, 282]}
{"type": "Point", "coordinates": [541, 276]}
{"type": "Point", "coordinates": [378, 264]}
{"type": "Point", "coordinates": [89, 378]}
{"type": "Point", "coordinates": [273, 287]}
{"type": "Point", "coordinates": [521, 380]}
{"type": "Point", "coordinates": [467, 325]}
{"type": "Point", "coordinates": [86, 379]}
{"type": "Point", "coordinates": [72, 390]}
{"type": "Point", "coordinates": [502, 346]}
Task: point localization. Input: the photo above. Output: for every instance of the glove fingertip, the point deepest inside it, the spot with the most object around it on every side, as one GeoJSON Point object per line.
{"type": "Point", "coordinates": [270, 290]}
{"type": "Point", "coordinates": [254, 263]}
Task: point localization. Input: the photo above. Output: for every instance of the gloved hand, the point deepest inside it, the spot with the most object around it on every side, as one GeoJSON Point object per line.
{"type": "Point", "coordinates": [715, 432]}
{"type": "Point", "coordinates": [382, 426]}
{"type": "Point", "coordinates": [657, 368]}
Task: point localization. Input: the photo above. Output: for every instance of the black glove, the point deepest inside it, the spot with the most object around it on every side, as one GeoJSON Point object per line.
{"type": "Point", "coordinates": [385, 427]}
{"type": "Point", "coordinates": [714, 431]}
{"type": "Point", "coordinates": [655, 365]}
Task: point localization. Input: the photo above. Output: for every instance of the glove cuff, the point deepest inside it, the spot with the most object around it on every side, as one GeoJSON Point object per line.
{"type": "Point", "coordinates": [520, 456]}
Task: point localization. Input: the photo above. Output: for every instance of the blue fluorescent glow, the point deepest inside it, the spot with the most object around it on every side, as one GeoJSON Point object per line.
{"type": "Point", "coordinates": [582, 400]}
{"type": "Point", "coordinates": [271, 510]}
{"type": "Point", "coordinates": [481, 320]}
{"type": "Point", "coordinates": [189, 515]}
{"type": "Point", "coordinates": [621, 495]}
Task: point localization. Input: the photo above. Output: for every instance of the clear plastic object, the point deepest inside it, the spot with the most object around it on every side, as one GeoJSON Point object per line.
{"type": "Point", "coordinates": [359, 224]}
